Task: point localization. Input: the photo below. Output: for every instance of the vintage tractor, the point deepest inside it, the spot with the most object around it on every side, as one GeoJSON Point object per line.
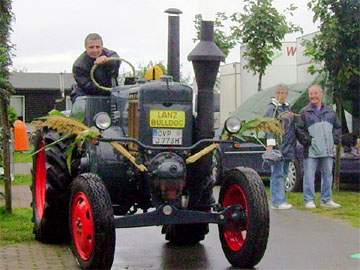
{"type": "Point", "coordinates": [159, 175]}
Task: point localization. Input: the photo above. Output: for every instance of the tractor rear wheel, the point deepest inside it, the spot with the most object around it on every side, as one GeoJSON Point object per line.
{"type": "Point", "coordinates": [191, 234]}
{"type": "Point", "coordinates": [91, 223]}
{"type": "Point", "coordinates": [244, 243]}
{"type": "Point", "coordinates": [185, 234]}
{"type": "Point", "coordinates": [50, 189]}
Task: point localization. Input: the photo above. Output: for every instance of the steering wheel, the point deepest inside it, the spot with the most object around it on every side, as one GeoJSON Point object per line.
{"type": "Point", "coordinates": [92, 72]}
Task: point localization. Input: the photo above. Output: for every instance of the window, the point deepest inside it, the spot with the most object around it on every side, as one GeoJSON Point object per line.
{"type": "Point", "coordinates": [18, 102]}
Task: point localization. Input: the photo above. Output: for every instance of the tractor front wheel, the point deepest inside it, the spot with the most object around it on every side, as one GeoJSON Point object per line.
{"type": "Point", "coordinates": [244, 242]}
{"type": "Point", "coordinates": [91, 223]}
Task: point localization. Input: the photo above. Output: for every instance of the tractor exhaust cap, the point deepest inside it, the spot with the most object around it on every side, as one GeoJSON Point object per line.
{"type": "Point", "coordinates": [206, 58]}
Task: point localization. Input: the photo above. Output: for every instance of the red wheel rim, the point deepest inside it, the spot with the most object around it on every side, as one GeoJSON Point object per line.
{"type": "Point", "coordinates": [40, 181]}
{"type": "Point", "coordinates": [83, 228]}
{"type": "Point", "coordinates": [234, 237]}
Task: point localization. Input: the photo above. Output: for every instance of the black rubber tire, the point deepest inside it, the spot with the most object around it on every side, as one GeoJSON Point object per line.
{"type": "Point", "coordinates": [257, 235]}
{"type": "Point", "coordinates": [201, 199]}
{"type": "Point", "coordinates": [52, 227]}
{"type": "Point", "coordinates": [185, 234]}
{"type": "Point", "coordinates": [103, 255]}
{"type": "Point", "coordinates": [298, 185]}
{"type": "Point", "coordinates": [191, 234]}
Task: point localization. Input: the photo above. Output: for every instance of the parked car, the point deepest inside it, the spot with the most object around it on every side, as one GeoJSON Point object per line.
{"type": "Point", "coordinates": [249, 155]}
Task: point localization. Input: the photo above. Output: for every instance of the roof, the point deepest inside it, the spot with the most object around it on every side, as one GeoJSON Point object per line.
{"type": "Point", "coordinates": [256, 105]}
{"type": "Point", "coordinates": [38, 81]}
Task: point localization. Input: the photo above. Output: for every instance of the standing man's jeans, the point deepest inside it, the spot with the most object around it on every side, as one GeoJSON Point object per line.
{"type": "Point", "coordinates": [310, 165]}
{"type": "Point", "coordinates": [279, 172]}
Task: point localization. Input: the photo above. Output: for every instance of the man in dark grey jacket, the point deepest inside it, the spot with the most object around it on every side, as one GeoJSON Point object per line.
{"type": "Point", "coordinates": [318, 130]}
{"type": "Point", "coordinates": [106, 74]}
{"type": "Point", "coordinates": [280, 109]}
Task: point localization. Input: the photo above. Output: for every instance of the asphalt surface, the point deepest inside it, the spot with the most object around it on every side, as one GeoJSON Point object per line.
{"type": "Point", "coordinates": [298, 240]}
{"type": "Point", "coordinates": [22, 168]}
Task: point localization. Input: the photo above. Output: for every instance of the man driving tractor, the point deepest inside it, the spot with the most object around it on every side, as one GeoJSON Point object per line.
{"type": "Point", "coordinates": [106, 74]}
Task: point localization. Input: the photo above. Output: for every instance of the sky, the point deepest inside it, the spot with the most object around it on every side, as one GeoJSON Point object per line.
{"type": "Point", "coordinates": [49, 35]}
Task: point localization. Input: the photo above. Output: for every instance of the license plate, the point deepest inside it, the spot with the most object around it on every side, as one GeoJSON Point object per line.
{"type": "Point", "coordinates": [167, 119]}
{"type": "Point", "coordinates": [167, 136]}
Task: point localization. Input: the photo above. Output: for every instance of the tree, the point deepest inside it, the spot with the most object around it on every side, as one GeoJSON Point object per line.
{"type": "Point", "coordinates": [223, 40]}
{"type": "Point", "coordinates": [336, 50]}
{"type": "Point", "coordinates": [12, 116]}
{"type": "Point", "coordinates": [261, 28]}
{"type": "Point", "coordinates": [5, 91]}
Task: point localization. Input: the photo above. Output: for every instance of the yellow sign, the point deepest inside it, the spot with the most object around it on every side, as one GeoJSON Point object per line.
{"type": "Point", "coordinates": [167, 119]}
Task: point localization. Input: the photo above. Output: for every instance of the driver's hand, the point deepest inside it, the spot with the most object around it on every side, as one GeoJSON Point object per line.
{"type": "Point", "coordinates": [101, 60]}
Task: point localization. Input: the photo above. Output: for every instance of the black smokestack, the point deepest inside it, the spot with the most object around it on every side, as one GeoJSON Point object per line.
{"type": "Point", "coordinates": [173, 43]}
{"type": "Point", "coordinates": [206, 57]}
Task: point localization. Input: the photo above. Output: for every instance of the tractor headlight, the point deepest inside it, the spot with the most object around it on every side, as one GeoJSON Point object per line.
{"type": "Point", "coordinates": [102, 120]}
{"type": "Point", "coordinates": [232, 125]}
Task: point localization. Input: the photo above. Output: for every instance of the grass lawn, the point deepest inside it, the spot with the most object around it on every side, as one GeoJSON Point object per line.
{"type": "Point", "coordinates": [20, 179]}
{"type": "Point", "coordinates": [350, 202]}
{"type": "Point", "coordinates": [23, 157]}
{"type": "Point", "coordinates": [17, 227]}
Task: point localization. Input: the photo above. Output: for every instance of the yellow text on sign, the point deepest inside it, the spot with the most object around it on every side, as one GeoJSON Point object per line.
{"type": "Point", "coordinates": [168, 119]}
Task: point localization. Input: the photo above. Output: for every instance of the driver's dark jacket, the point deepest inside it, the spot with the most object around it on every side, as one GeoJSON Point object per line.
{"type": "Point", "coordinates": [104, 74]}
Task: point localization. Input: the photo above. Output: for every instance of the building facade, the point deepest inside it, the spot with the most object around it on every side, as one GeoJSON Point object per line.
{"type": "Point", "coordinates": [38, 93]}
{"type": "Point", "coordinates": [237, 84]}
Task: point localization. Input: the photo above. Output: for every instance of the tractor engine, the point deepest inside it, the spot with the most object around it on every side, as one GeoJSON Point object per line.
{"type": "Point", "coordinates": [160, 113]}
{"type": "Point", "coordinates": [168, 176]}
{"type": "Point", "coordinates": [157, 114]}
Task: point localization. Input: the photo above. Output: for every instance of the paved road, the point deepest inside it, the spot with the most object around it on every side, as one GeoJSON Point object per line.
{"type": "Point", "coordinates": [298, 240]}
{"type": "Point", "coordinates": [22, 168]}
{"type": "Point", "coordinates": [21, 196]}
{"type": "Point", "coordinates": [36, 256]}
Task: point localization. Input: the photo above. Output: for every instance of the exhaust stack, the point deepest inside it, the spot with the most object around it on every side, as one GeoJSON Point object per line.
{"type": "Point", "coordinates": [173, 43]}
{"type": "Point", "coordinates": [206, 58]}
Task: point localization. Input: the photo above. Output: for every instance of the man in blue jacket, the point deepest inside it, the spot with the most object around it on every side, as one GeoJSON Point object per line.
{"type": "Point", "coordinates": [280, 109]}
{"type": "Point", "coordinates": [318, 130]}
{"type": "Point", "coordinates": [106, 74]}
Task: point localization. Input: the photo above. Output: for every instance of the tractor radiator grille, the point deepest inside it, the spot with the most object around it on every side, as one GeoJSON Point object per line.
{"type": "Point", "coordinates": [133, 119]}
